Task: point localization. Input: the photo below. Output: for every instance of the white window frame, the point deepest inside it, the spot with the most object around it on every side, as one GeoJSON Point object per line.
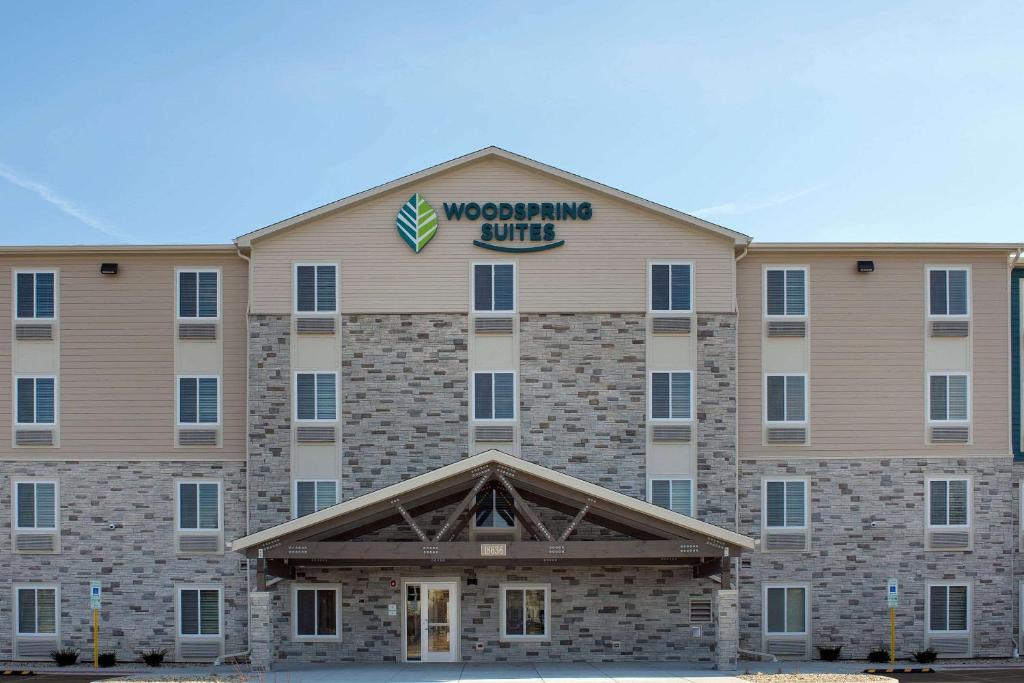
{"type": "Point", "coordinates": [472, 289]}
{"type": "Point", "coordinates": [177, 402]}
{"type": "Point", "coordinates": [515, 395]}
{"type": "Point", "coordinates": [928, 607]}
{"type": "Point", "coordinates": [807, 293]}
{"type": "Point", "coordinates": [650, 288]}
{"type": "Point", "coordinates": [928, 397]}
{"type": "Point", "coordinates": [30, 585]}
{"type": "Point", "coordinates": [928, 502]}
{"type": "Point", "coordinates": [764, 503]}
{"type": "Point", "coordinates": [807, 398]}
{"type": "Point", "coordinates": [316, 282]}
{"type": "Point", "coordinates": [177, 506]}
{"type": "Point", "coordinates": [502, 588]}
{"type": "Point", "coordinates": [177, 292]}
{"type": "Point", "coordinates": [178, 588]}
{"type": "Point", "coordinates": [670, 478]}
{"type": "Point", "coordinates": [56, 401]}
{"type": "Point", "coordinates": [309, 585]}
{"type": "Point", "coordinates": [17, 502]}
{"type": "Point", "coordinates": [928, 293]}
{"type": "Point", "coordinates": [650, 396]}
{"type": "Point", "coordinates": [56, 294]}
{"type": "Point", "coordinates": [295, 493]}
{"type": "Point", "coordinates": [316, 384]}
{"type": "Point", "coordinates": [807, 608]}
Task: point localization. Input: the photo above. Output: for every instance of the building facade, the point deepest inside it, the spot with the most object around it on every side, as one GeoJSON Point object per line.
{"type": "Point", "coordinates": [496, 411]}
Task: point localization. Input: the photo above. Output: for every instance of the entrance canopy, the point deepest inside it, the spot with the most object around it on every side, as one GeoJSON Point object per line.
{"type": "Point", "coordinates": [641, 533]}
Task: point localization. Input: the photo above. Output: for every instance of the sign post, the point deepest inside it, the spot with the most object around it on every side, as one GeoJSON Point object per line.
{"type": "Point", "coordinates": [893, 599]}
{"type": "Point", "coordinates": [95, 596]}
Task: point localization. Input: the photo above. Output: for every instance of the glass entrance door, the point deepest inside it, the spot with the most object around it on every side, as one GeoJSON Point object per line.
{"type": "Point", "coordinates": [430, 629]}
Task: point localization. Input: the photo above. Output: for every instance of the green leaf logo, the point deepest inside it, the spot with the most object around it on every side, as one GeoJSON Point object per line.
{"type": "Point", "coordinates": [416, 222]}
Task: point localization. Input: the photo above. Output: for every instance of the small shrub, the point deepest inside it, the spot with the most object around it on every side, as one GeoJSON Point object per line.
{"type": "Point", "coordinates": [66, 656]}
{"type": "Point", "coordinates": [107, 659]}
{"type": "Point", "coordinates": [830, 653]}
{"type": "Point", "coordinates": [879, 656]}
{"type": "Point", "coordinates": [154, 657]}
{"type": "Point", "coordinates": [925, 656]}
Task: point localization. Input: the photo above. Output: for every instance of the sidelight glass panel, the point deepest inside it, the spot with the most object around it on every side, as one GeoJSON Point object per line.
{"type": "Point", "coordinates": [514, 606]}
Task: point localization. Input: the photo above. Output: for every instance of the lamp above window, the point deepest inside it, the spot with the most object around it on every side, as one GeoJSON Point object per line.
{"type": "Point", "coordinates": [865, 266]}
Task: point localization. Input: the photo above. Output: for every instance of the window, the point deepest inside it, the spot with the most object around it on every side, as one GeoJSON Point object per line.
{"type": "Point", "coordinates": [36, 607]}
{"type": "Point", "coordinates": [495, 510]}
{"type": "Point", "coordinates": [525, 608]}
{"type": "Point", "coordinates": [948, 398]}
{"type": "Point", "coordinates": [671, 395]}
{"type": "Point", "coordinates": [494, 396]}
{"type": "Point", "coordinates": [948, 291]}
{"type": "Point", "coordinates": [197, 293]}
{"type": "Point", "coordinates": [494, 287]}
{"type": "Point", "coordinates": [35, 505]}
{"type": "Point", "coordinates": [785, 504]}
{"type": "Point", "coordinates": [36, 295]}
{"type": "Point", "coordinates": [316, 289]}
{"type": "Point", "coordinates": [199, 611]}
{"type": "Point", "coordinates": [786, 609]}
{"type": "Point", "coordinates": [785, 291]}
{"type": "Point", "coordinates": [949, 502]}
{"type": "Point", "coordinates": [311, 496]}
{"type": "Point", "coordinates": [671, 287]}
{"type": "Point", "coordinates": [673, 494]}
{"type": "Point", "coordinates": [786, 398]}
{"type": "Point", "coordinates": [198, 506]}
{"type": "Point", "coordinates": [316, 611]}
{"type": "Point", "coordinates": [316, 396]}
{"type": "Point", "coordinates": [36, 400]}
{"type": "Point", "coordinates": [198, 400]}
{"type": "Point", "coordinates": [949, 605]}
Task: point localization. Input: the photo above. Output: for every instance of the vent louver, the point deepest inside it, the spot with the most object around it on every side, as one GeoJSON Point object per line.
{"type": "Point", "coordinates": [314, 325]}
{"type": "Point", "coordinates": [33, 332]}
{"type": "Point", "coordinates": [670, 325]}
{"type": "Point", "coordinates": [787, 328]}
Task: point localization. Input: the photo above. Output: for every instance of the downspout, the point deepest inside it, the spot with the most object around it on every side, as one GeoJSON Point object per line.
{"type": "Point", "coordinates": [248, 574]}
{"type": "Point", "coordinates": [1014, 584]}
{"type": "Point", "coordinates": [736, 437]}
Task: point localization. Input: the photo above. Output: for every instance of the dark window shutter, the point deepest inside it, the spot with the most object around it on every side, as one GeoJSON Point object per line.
{"type": "Point", "coordinates": [776, 297]}
{"type": "Point", "coordinates": [776, 408]}
{"type": "Point", "coordinates": [305, 392]}
{"type": "Point", "coordinates": [504, 396]}
{"type": "Point", "coordinates": [305, 288]}
{"type": "Point", "coordinates": [958, 292]}
{"type": "Point", "coordinates": [937, 292]}
{"type": "Point", "coordinates": [681, 287]}
{"type": "Point", "coordinates": [207, 295]}
{"type": "Point", "coordinates": [188, 506]}
{"type": "Point", "coordinates": [188, 400]}
{"type": "Point", "coordinates": [482, 391]}
{"type": "Point", "coordinates": [26, 295]}
{"type": "Point", "coordinates": [795, 292]}
{"type": "Point", "coordinates": [326, 288]}
{"type": "Point", "coordinates": [660, 294]}
{"type": "Point", "coordinates": [660, 403]}
{"type": "Point", "coordinates": [187, 295]}
{"type": "Point", "coordinates": [26, 400]}
{"type": "Point", "coordinates": [482, 288]}
{"type": "Point", "coordinates": [504, 287]}
{"type": "Point", "coordinates": [938, 409]}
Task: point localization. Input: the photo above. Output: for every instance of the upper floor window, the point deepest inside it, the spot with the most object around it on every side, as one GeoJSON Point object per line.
{"type": "Point", "coordinates": [494, 396]}
{"type": "Point", "coordinates": [785, 291]}
{"type": "Point", "coordinates": [198, 400]}
{"type": "Point", "coordinates": [494, 287]}
{"type": "Point", "coordinates": [316, 288]}
{"type": "Point", "coordinates": [673, 494]}
{"type": "Point", "coordinates": [785, 504]}
{"type": "Point", "coordinates": [948, 291]}
{"type": "Point", "coordinates": [671, 287]}
{"type": "Point", "coordinates": [197, 293]}
{"type": "Point", "coordinates": [316, 396]}
{"type": "Point", "coordinates": [35, 294]}
{"type": "Point", "coordinates": [198, 505]}
{"type": "Point", "coordinates": [314, 495]}
{"type": "Point", "coordinates": [494, 510]}
{"type": "Point", "coordinates": [199, 611]}
{"type": "Point", "coordinates": [786, 398]}
{"type": "Point", "coordinates": [948, 502]}
{"type": "Point", "coordinates": [786, 609]}
{"type": "Point", "coordinates": [671, 395]}
{"type": "Point", "coordinates": [948, 398]}
{"type": "Point", "coordinates": [949, 607]}
{"type": "Point", "coordinates": [36, 400]}
{"type": "Point", "coordinates": [35, 505]}
{"type": "Point", "coordinates": [37, 609]}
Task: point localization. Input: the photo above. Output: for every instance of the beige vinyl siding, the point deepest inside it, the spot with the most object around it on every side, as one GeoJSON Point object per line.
{"type": "Point", "coordinates": [601, 267]}
{"type": "Point", "coordinates": [117, 379]}
{"type": "Point", "coordinates": [867, 344]}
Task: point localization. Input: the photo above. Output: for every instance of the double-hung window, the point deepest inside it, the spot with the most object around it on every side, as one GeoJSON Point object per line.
{"type": "Point", "coordinates": [316, 288]}
{"type": "Point", "coordinates": [673, 494]}
{"type": "Point", "coordinates": [785, 504]}
{"type": "Point", "coordinates": [199, 506]}
{"type": "Point", "coordinates": [494, 396]}
{"type": "Point", "coordinates": [36, 400]}
{"type": "Point", "coordinates": [199, 611]}
{"type": "Point", "coordinates": [671, 395]}
{"type": "Point", "coordinates": [198, 400]}
{"type": "Point", "coordinates": [316, 611]}
{"type": "Point", "coordinates": [949, 502]}
{"type": "Point", "coordinates": [316, 396]}
{"type": "Point", "coordinates": [786, 398]}
{"type": "Point", "coordinates": [671, 288]}
{"type": "Point", "coordinates": [949, 397]}
{"type": "Point", "coordinates": [37, 609]}
{"type": "Point", "coordinates": [198, 293]}
{"type": "Point", "coordinates": [949, 608]}
{"type": "Point", "coordinates": [494, 287]}
{"type": "Point", "coordinates": [785, 292]}
{"type": "Point", "coordinates": [314, 494]}
{"type": "Point", "coordinates": [785, 610]}
{"type": "Point", "coordinates": [526, 611]}
{"type": "Point", "coordinates": [36, 295]}
{"type": "Point", "coordinates": [494, 510]}
{"type": "Point", "coordinates": [948, 292]}
{"type": "Point", "coordinates": [35, 505]}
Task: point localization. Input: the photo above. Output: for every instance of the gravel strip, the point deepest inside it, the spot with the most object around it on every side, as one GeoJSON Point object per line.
{"type": "Point", "coordinates": [816, 678]}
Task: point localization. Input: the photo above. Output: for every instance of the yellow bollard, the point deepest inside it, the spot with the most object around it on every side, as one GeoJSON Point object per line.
{"type": "Point", "coordinates": [892, 635]}
{"type": "Point", "coordinates": [96, 638]}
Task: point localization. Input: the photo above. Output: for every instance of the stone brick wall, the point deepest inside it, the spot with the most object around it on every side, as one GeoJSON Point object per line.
{"type": "Point", "coordinates": [269, 421]}
{"type": "Point", "coordinates": [136, 562]}
{"type": "Point", "coordinates": [850, 560]}
{"type": "Point", "coordinates": [715, 392]}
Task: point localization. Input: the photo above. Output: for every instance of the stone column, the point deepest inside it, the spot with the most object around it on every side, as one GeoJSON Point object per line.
{"type": "Point", "coordinates": [727, 648]}
{"type": "Point", "coordinates": [261, 636]}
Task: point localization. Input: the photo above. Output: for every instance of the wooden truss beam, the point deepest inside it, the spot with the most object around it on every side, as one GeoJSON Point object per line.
{"type": "Point", "coordinates": [529, 519]}
{"type": "Point", "coordinates": [422, 535]}
{"type": "Point", "coordinates": [574, 523]}
{"type": "Point", "coordinates": [453, 518]}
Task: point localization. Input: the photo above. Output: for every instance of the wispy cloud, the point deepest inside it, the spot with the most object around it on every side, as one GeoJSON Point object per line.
{"type": "Point", "coordinates": [733, 208]}
{"type": "Point", "coordinates": [48, 195]}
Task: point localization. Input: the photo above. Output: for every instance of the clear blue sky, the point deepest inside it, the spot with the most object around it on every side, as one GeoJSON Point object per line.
{"type": "Point", "coordinates": [198, 121]}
